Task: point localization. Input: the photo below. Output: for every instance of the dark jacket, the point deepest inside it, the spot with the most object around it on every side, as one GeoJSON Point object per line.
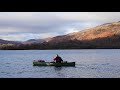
{"type": "Point", "coordinates": [58, 59]}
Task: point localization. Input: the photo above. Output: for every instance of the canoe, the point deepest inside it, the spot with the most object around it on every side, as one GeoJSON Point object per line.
{"type": "Point", "coordinates": [36, 63]}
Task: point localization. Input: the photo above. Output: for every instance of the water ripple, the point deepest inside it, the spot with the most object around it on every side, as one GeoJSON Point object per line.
{"type": "Point", "coordinates": [91, 63]}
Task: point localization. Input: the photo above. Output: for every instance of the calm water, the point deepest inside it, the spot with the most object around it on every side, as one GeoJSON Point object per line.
{"type": "Point", "coordinates": [90, 63]}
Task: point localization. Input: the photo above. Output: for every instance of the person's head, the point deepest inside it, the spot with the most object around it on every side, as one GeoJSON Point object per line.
{"type": "Point", "coordinates": [57, 55]}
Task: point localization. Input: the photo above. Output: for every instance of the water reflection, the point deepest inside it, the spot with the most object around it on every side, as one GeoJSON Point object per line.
{"type": "Point", "coordinates": [59, 72]}
{"type": "Point", "coordinates": [58, 68]}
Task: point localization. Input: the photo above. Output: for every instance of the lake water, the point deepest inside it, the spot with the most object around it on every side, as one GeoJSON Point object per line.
{"type": "Point", "coordinates": [90, 63]}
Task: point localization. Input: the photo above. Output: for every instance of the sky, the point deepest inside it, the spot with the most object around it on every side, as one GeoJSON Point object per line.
{"type": "Point", "coordinates": [22, 26]}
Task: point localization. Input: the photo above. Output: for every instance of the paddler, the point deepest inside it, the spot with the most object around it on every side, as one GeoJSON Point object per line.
{"type": "Point", "coordinates": [58, 59]}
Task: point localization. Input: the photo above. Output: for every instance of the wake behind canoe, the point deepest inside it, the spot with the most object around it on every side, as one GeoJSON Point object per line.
{"type": "Point", "coordinates": [36, 63]}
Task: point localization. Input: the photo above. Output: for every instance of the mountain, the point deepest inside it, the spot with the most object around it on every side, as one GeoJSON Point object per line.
{"type": "Point", "coordinates": [9, 42]}
{"type": "Point", "coordinates": [36, 41]}
{"type": "Point", "coordinates": [102, 31]}
{"type": "Point", "coordinates": [33, 41]}
{"type": "Point", "coordinates": [102, 36]}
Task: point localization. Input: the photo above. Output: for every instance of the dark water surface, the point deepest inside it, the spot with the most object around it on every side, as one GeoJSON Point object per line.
{"type": "Point", "coordinates": [90, 63]}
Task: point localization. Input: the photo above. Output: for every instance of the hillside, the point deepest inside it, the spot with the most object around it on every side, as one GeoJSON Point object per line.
{"type": "Point", "coordinates": [106, 35]}
{"type": "Point", "coordinates": [102, 36]}
{"type": "Point", "coordinates": [101, 31]}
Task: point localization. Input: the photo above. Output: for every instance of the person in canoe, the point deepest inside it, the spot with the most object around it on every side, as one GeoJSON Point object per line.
{"type": "Point", "coordinates": [58, 59]}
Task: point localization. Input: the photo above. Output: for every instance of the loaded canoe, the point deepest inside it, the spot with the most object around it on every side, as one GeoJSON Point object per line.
{"type": "Point", "coordinates": [36, 63]}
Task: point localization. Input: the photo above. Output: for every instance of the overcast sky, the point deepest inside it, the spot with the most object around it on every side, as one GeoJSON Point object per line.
{"type": "Point", "coordinates": [21, 26]}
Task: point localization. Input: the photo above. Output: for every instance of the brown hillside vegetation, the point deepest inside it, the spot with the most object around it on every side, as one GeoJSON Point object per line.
{"type": "Point", "coordinates": [101, 31]}
{"type": "Point", "coordinates": [106, 35]}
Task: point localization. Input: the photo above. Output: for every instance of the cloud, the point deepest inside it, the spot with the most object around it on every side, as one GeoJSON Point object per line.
{"type": "Point", "coordinates": [26, 25]}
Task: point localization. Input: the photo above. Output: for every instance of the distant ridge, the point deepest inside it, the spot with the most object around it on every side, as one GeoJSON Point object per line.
{"type": "Point", "coordinates": [9, 42]}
